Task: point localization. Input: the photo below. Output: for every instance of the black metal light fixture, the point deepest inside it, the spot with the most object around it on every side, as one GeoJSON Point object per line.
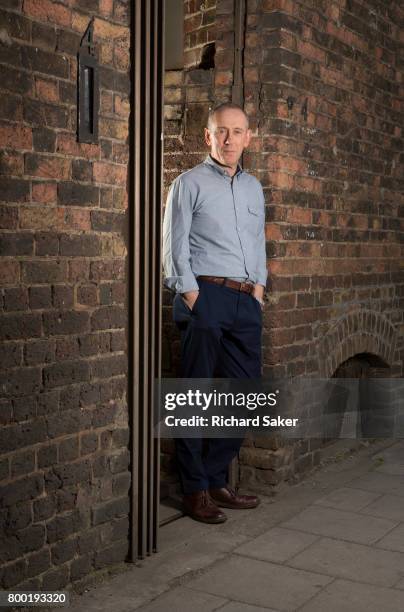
{"type": "Point", "coordinates": [88, 91]}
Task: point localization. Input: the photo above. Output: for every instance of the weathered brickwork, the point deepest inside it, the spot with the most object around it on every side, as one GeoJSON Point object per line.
{"type": "Point", "coordinates": [323, 88]}
{"type": "Point", "coordinates": [64, 458]}
{"type": "Point", "coordinates": [323, 81]}
{"type": "Point", "coordinates": [330, 154]}
{"type": "Point", "coordinates": [199, 19]}
{"type": "Point", "coordinates": [188, 94]}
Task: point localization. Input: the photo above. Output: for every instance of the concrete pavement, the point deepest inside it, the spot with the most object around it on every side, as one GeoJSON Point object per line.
{"type": "Point", "coordinates": [333, 542]}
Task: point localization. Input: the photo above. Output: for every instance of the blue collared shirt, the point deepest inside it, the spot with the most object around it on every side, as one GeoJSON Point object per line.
{"type": "Point", "coordinates": [214, 225]}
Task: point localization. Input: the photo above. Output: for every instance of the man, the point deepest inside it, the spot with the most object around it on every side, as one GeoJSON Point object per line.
{"type": "Point", "coordinates": [214, 259]}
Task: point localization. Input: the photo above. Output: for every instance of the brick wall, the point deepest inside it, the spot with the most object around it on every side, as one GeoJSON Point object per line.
{"type": "Point", "coordinates": [64, 463]}
{"type": "Point", "coordinates": [330, 154]}
{"type": "Point", "coordinates": [324, 83]}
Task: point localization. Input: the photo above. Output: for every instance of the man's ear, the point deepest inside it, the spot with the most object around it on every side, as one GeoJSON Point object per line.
{"type": "Point", "coordinates": [208, 139]}
{"type": "Point", "coordinates": [247, 137]}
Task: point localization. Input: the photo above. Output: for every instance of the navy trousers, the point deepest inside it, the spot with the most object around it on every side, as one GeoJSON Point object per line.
{"type": "Point", "coordinates": [221, 338]}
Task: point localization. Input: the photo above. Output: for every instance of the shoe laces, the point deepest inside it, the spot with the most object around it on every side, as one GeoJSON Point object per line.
{"type": "Point", "coordinates": [232, 492]}
{"type": "Point", "coordinates": [206, 499]}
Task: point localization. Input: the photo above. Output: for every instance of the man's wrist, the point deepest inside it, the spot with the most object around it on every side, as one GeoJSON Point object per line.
{"type": "Point", "coordinates": [191, 293]}
{"type": "Point", "coordinates": [259, 291]}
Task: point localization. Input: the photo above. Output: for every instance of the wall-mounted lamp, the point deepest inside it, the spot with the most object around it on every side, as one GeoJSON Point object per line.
{"type": "Point", "coordinates": [88, 92]}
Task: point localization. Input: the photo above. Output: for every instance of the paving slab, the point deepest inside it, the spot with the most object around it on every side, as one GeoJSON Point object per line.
{"type": "Point", "coordinates": [347, 596]}
{"type": "Point", "coordinates": [400, 584]}
{"type": "Point", "coordinates": [235, 606]}
{"type": "Point", "coordinates": [185, 600]}
{"type": "Point", "coordinates": [380, 482]}
{"type": "Point", "coordinates": [146, 580]}
{"type": "Point", "coordinates": [277, 545]}
{"type": "Point", "coordinates": [334, 523]}
{"type": "Point", "coordinates": [391, 461]}
{"type": "Point", "coordinates": [188, 556]}
{"type": "Point", "coordinates": [121, 593]}
{"type": "Point", "coordinates": [393, 540]}
{"type": "Point", "coordinates": [251, 543]}
{"type": "Point", "coordinates": [260, 583]}
{"type": "Point", "coordinates": [351, 561]}
{"type": "Point", "coordinates": [349, 499]}
{"type": "Point", "coordinates": [386, 506]}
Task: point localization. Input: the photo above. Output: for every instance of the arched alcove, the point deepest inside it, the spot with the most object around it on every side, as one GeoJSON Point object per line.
{"type": "Point", "coordinates": [361, 332]}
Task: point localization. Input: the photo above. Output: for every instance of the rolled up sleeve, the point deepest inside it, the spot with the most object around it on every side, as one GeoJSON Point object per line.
{"type": "Point", "coordinates": [176, 228]}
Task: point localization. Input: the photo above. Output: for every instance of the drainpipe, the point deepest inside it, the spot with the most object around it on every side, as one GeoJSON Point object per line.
{"type": "Point", "coordinates": [237, 92]}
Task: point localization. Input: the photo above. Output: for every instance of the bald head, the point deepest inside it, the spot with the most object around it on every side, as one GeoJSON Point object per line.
{"type": "Point", "coordinates": [214, 112]}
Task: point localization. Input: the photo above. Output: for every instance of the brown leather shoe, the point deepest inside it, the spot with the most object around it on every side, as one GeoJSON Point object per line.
{"type": "Point", "coordinates": [228, 498]}
{"type": "Point", "coordinates": [200, 507]}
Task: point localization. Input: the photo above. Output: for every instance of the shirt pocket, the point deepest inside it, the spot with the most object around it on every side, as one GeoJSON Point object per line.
{"type": "Point", "coordinates": [255, 219]}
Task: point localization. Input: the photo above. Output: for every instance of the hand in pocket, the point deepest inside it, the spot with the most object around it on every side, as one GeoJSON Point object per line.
{"type": "Point", "coordinates": [190, 298]}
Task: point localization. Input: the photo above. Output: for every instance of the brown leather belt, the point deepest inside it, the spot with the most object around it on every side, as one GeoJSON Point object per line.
{"type": "Point", "coordinates": [227, 282]}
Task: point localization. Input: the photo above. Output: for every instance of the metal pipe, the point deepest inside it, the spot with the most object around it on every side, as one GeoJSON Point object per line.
{"type": "Point", "coordinates": [237, 91]}
{"type": "Point", "coordinates": [145, 269]}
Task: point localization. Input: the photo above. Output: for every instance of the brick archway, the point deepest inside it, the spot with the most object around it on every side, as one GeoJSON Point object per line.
{"type": "Point", "coordinates": [360, 331]}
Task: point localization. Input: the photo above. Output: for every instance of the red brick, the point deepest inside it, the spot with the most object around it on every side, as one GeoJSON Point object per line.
{"type": "Point", "coordinates": [45, 193]}
{"type": "Point", "coordinates": [11, 163]}
{"type": "Point", "coordinates": [110, 31]}
{"type": "Point", "coordinates": [15, 136]}
{"type": "Point", "coordinates": [79, 269]}
{"type": "Point", "coordinates": [309, 50]}
{"type": "Point", "coordinates": [9, 272]}
{"type": "Point", "coordinates": [113, 128]}
{"type": "Point", "coordinates": [106, 102]}
{"type": "Point", "coordinates": [273, 232]}
{"type": "Point", "coordinates": [46, 10]}
{"type": "Point", "coordinates": [8, 217]}
{"type": "Point", "coordinates": [77, 219]}
{"type": "Point", "coordinates": [46, 90]}
{"type": "Point", "coordinates": [106, 7]}
{"type": "Point", "coordinates": [299, 215]}
{"type": "Point", "coordinates": [47, 166]}
{"type": "Point", "coordinates": [223, 77]}
{"type": "Point", "coordinates": [106, 54]}
{"type": "Point", "coordinates": [282, 180]}
{"type": "Point", "coordinates": [120, 153]}
{"type": "Point", "coordinates": [68, 145]}
{"type": "Point", "coordinates": [41, 217]}
{"type": "Point", "coordinates": [111, 174]}
{"type": "Point", "coordinates": [121, 58]}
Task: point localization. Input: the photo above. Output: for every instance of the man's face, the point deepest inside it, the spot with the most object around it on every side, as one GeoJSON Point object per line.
{"type": "Point", "coordinates": [228, 136]}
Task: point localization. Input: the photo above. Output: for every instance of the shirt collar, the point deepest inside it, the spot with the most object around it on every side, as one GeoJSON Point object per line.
{"type": "Point", "coordinates": [212, 162]}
